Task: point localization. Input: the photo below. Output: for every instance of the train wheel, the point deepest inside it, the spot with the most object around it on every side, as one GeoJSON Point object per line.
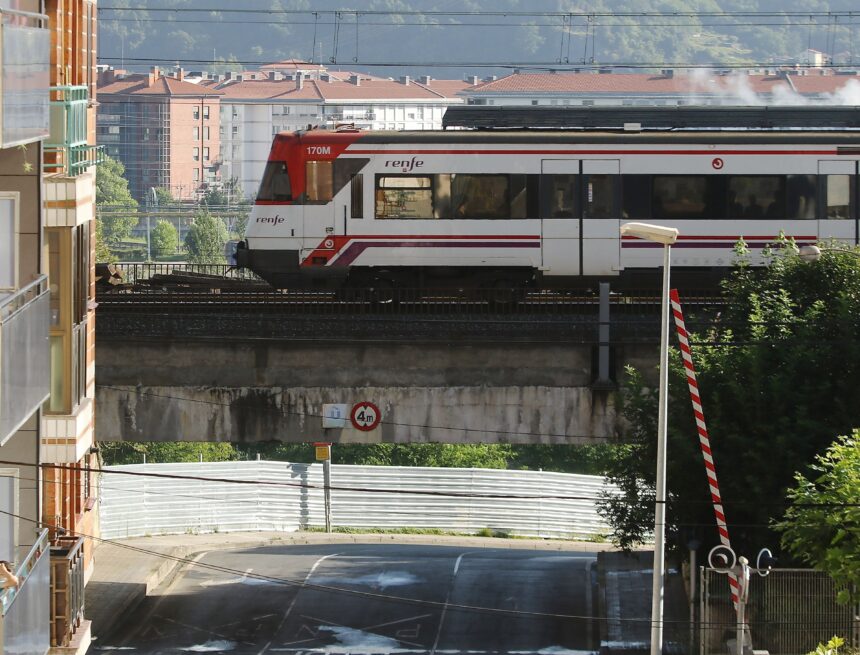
{"type": "Point", "coordinates": [504, 293]}
{"type": "Point", "coordinates": [382, 289]}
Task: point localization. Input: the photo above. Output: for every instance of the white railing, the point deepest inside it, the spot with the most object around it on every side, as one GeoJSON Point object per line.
{"type": "Point", "coordinates": [25, 363]}
{"type": "Point", "coordinates": [25, 611]}
{"type": "Point", "coordinates": [522, 503]}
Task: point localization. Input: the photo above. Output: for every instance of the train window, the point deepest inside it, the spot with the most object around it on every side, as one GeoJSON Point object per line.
{"type": "Point", "coordinates": [559, 195]}
{"type": "Point", "coordinates": [840, 199]}
{"type": "Point", "coordinates": [756, 196]}
{"type": "Point", "coordinates": [319, 179]}
{"type": "Point", "coordinates": [519, 196]}
{"type": "Point", "coordinates": [636, 200]}
{"type": "Point", "coordinates": [276, 182]}
{"type": "Point", "coordinates": [600, 196]}
{"type": "Point", "coordinates": [356, 195]}
{"type": "Point", "coordinates": [679, 197]}
{"type": "Point", "coordinates": [404, 196]}
{"type": "Point", "coordinates": [800, 196]}
{"type": "Point", "coordinates": [442, 196]}
{"type": "Point", "coordinates": [480, 196]}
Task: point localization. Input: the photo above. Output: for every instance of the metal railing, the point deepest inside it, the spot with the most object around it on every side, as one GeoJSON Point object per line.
{"type": "Point", "coordinates": [67, 150]}
{"type": "Point", "coordinates": [23, 609]}
{"type": "Point", "coordinates": [25, 60]}
{"type": "Point", "coordinates": [789, 612]}
{"type": "Point", "coordinates": [136, 272]}
{"type": "Point", "coordinates": [549, 505]}
{"type": "Point", "coordinates": [25, 366]}
{"type": "Point", "coordinates": [67, 588]}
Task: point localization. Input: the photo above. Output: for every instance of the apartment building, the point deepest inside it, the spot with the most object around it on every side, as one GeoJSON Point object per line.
{"type": "Point", "coordinates": [669, 88]}
{"type": "Point", "coordinates": [47, 188]}
{"type": "Point", "coordinates": [163, 129]}
{"type": "Point", "coordinates": [255, 106]}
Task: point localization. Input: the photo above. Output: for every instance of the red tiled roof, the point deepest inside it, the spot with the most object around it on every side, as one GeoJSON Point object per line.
{"type": "Point", "coordinates": [162, 86]}
{"type": "Point", "coordinates": [296, 64]}
{"type": "Point", "coordinates": [644, 83]}
{"type": "Point", "coordinates": [368, 89]}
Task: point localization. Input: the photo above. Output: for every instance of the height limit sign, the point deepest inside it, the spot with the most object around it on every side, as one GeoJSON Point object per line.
{"type": "Point", "coordinates": [365, 416]}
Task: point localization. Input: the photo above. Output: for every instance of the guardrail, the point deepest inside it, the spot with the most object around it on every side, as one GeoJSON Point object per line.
{"type": "Point", "coordinates": [526, 503]}
{"type": "Point", "coordinates": [25, 365]}
{"type": "Point", "coordinates": [134, 272]}
{"type": "Point", "coordinates": [23, 609]}
{"type": "Point", "coordinates": [67, 588]}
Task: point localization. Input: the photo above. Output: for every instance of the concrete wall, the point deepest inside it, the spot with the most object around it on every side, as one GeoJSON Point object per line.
{"type": "Point", "coordinates": [249, 391]}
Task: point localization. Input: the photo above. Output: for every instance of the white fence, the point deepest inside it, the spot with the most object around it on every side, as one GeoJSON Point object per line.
{"type": "Point", "coordinates": [527, 503]}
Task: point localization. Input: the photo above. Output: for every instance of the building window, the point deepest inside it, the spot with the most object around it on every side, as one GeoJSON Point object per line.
{"type": "Point", "coordinates": [196, 176]}
{"type": "Point", "coordinates": [196, 133]}
{"type": "Point", "coordinates": [235, 130]}
{"type": "Point", "coordinates": [205, 154]}
{"type": "Point", "coordinates": [196, 155]}
{"type": "Point", "coordinates": [205, 111]}
{"type": "Point", "coordinates": [196, 112]}
{"type": "Point", "coordinates": [206, 133]}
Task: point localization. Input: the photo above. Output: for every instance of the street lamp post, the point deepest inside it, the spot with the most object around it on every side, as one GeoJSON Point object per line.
{"type": "Point", "coordinates": [667, 236]}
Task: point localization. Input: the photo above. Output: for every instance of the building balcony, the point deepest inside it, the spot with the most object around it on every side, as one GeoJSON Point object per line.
{"type": "Point", "coordinates": [25, 59]}
{"type": "Point", "coordinates": [70, 632]}
{"type": "Point", "coordinates": [25, 364]}
{"type": "Point", "coordinates": [66, 150]}
{"type": "Point", "coordinates": [24, 628]}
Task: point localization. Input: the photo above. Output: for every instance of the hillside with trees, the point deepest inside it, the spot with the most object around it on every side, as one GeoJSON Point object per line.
{"type": "Point", "coordinates": [698, 31]}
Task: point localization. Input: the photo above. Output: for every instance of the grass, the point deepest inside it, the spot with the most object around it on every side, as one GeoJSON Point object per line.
{"type": "Point", "coordinates": [483, 532]}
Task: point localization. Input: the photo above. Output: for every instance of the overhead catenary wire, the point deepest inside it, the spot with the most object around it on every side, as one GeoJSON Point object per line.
{"type": "Point", "coordinates": [305, 585]}
{"type": "Point", "coordinates": [416, 492]}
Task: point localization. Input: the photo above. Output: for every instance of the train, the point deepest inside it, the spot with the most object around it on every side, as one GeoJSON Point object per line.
{"type": "Point", "coordinates": [529, 206]}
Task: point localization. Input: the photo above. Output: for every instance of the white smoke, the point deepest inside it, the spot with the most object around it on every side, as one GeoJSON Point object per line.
{"type": "Point", "coordinates": [736, 89]}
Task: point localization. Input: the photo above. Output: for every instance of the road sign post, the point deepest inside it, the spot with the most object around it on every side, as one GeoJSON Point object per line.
{"type": "Point", "coordinates": [323, 453]}
{"type": "Point", "coordinates": [365, 416]}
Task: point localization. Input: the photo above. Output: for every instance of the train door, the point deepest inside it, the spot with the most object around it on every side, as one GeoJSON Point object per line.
{"type": "Point", "coordinates": [560, 217]}
{"type": "Point", "coordinates": [601, 217]}
{"type": "Point", "coordinates": [319, 210]}
{"type": "Point", "coordinates": [838, 205]}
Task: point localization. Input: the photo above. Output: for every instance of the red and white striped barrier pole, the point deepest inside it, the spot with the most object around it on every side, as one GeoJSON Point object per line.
{"type": "Point", "coordinates": [704, 440]}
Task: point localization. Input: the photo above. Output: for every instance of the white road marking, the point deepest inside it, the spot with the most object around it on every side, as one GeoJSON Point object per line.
{"type": "Point", "coordinates": [445, 606]}
{"type": "Point", "coordinates": [295, 598]}
{"type": "Point", "coordinates": [588, 600]}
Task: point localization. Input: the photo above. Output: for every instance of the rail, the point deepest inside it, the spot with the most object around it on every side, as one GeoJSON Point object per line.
{"type": "Point", "coordinates": [134, 272]}
{"type": "Point", "coordinates": [24, 573]}
{"type": "Point", "coordinates": [67, 588]}
{"type": "Point", "coordinates": [15, 301]}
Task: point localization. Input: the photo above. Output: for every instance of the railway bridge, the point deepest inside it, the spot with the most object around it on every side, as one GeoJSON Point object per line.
{"type": "Point", "coordinates": [257, 365]}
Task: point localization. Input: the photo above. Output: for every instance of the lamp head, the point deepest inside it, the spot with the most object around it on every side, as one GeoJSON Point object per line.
{"type": "Point", "coordinates": [649, 232]}
{"type": "Point", "coordinates": [810, 253]}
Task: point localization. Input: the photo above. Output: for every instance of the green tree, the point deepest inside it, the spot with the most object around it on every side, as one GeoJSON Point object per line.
{"type": "Point", "coordinates": [126, 452]}
{"type": "Point", "coordinates": [117, 210]}
{"type": "Point", "coordinates": [822, 525]}
{"type": "Point", "coordinates": [215, 198]}
{"type": "Point", "coordinates": [205, 240]}
{"type": "Point", "coordinates": [779, 375]}
{"type": "Point", "coordinates": [103, 252]}
{"type": "Point", "coordinates": [163, 197]}
{"type": "Point", "coordinates": [111, 185]}
{"type": "Point", "coordinates": [165, 238]}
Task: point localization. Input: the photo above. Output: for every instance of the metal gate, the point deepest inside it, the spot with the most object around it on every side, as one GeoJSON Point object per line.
{"type": "Point", "coordinates": [789, 612]}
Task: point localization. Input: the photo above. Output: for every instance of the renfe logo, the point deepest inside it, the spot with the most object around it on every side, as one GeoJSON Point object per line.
{"type": "Point", "coordinates": [406, 165]}
{"type": "Point", "coordinates": [277, 219]}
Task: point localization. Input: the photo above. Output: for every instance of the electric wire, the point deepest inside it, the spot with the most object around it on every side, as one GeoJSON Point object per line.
{"type": "Point", "coordinates": [418, 492]}
{"type": "Point", "coordinates": [331, 589]}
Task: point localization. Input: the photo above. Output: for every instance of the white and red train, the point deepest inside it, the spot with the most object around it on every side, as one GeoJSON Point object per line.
{"type": "Point", "coordinates": [539, 208]}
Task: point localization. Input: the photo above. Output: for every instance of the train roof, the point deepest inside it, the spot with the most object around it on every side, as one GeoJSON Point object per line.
{"type": "Point", "coordinates": [661, 119]}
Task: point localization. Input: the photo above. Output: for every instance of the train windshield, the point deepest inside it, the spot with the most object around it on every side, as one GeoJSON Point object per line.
{"type": "Point", "coordinates": [276, 182]}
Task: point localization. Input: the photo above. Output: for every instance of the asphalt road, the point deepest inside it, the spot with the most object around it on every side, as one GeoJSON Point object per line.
{"type": "Point", "coordinates": [370, 599]}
